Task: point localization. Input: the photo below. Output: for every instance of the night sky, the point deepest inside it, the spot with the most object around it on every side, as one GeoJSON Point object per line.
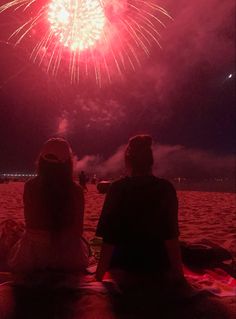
{"type": "Point", "coordinates": [182, 95]}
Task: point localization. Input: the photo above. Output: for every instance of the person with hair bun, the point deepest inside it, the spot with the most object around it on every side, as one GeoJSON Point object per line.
{"type": "Point", "coordinates": [139, 221]}
{"type": "Point", "coordinates": [54, 212]}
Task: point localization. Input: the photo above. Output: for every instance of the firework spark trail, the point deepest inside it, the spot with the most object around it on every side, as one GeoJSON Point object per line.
{"type": "Point", "coordinates": [101, 38]}
{"type": "Point", "coordinates": [13, 76]}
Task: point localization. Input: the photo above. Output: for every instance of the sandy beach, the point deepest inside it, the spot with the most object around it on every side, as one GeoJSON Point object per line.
{"type": "Point", "coordinates": [202, 215]}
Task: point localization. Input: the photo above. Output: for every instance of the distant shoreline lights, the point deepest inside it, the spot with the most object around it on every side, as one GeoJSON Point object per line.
{"type": "Point", "coordinates": [17, 175]}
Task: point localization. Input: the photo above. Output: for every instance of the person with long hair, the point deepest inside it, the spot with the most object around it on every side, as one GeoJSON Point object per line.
{"type": "Point", "coordinates": [139, 221]}
{"type": "Point", "coordinates": [53, 212]}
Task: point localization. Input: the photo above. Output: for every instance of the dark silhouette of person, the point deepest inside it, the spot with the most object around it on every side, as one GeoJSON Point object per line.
{"type": "Point", "coordinates": [139, 221]}
{"type": "Point", "coordinates": [54, 212]}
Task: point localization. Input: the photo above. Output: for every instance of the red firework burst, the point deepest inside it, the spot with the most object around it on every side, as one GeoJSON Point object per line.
{"type": "Point", "coordinates": [98, 37]}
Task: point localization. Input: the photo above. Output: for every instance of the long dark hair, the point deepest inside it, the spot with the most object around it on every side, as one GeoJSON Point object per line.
{"type": "Point", "coordinates": [138, 155]}
{"type": "Point", "coordinates": [56, 182]}
{"type": "Point", "coordinates": [55, 172]}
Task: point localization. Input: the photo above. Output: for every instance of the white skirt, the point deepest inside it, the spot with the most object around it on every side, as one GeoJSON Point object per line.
{"type": "Point", "coordinates": [39, 250]}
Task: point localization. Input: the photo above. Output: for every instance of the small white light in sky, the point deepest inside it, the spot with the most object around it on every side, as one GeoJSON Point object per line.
{"type": "Point", "coordinates": [230, 76]}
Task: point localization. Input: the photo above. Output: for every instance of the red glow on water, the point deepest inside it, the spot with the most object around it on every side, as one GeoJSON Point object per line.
{"type": "Point", "coordinates": [78, 24]}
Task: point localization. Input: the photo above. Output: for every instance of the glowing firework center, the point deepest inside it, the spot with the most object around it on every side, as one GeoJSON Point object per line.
{"type": "Point", "coordinates": [77, 23]}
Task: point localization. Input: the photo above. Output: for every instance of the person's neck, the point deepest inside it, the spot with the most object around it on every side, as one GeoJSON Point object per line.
{"type": "Point", "coordinates": [136, 174]}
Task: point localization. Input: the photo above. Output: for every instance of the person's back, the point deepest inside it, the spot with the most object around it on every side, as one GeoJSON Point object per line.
{"type": "Point", "coordinates": [53, 208]}
{"type": "Point", "coordinates": [145, 206]}
{"type": "Point", "coordinates": [137, 223]}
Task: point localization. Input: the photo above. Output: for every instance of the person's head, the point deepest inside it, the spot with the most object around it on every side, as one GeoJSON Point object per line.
{"type": "Point", "coordinates": [55, 160]}
{"type": "Point", "coordinates": [138, 155]}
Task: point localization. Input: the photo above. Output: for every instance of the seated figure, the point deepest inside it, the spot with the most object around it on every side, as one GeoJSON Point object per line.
{"type": "Point", "coordinates": [54, 212]}
{"type": "Point", "coordinates": [139, 222]}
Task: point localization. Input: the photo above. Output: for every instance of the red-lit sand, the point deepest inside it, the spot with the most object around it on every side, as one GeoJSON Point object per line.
{"type": "Point", "coordinates": [202, 215]}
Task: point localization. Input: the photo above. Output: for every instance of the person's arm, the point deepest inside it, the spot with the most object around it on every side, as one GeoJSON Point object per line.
{"type": "Point", "coordinates": [109, 229]}
{"type": "Point", "coordinates": [79, 224]}
{"type": "Point", "coordinates": [177, 283]}
{"type": "Point", "coordinates": [27, 204]}
{"type": "Point", "coordinates": [104, 261]}
{"type": "Point", "coordinates": [176, 273]}
{"type": "Point", "coordinates": [171, 234]}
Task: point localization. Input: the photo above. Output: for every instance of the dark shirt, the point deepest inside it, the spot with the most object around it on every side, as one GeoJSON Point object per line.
{"type": "Point", "coordinates": [138, 215]}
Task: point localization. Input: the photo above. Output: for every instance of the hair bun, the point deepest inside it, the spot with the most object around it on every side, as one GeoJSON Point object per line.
{"type": "Point", "coordinates": [138, 154]}
{"type": "Point", "coordinates": [56, 150]}
{"type": "Point", "coordinates": [140, 142]}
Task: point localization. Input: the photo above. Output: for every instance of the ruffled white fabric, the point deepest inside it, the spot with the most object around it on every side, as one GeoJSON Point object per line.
{"type": "Point", "coordinates": [40, 250]}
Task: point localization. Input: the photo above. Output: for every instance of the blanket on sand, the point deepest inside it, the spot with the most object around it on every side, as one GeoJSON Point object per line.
{"type": "Point", "coordinates": [94, 300]}
{"type": "Point", "coordinates": [214, 281]}
{"type": "Point", "coordinates": [204, 256]}
{"type": "Point", "coordinates": [72, 297]}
